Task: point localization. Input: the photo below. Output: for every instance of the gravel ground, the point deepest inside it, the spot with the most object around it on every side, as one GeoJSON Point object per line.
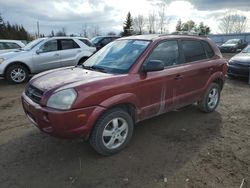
{"type": "Point", "coordinates": [184, 148]}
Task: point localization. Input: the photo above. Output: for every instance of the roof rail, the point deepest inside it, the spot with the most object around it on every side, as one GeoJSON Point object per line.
{"type": "Point", "coordinates": [188, 33]}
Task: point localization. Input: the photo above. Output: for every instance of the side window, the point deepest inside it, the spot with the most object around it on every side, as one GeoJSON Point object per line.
{"type": "Point", "coordinates": [49, 46]}
{"type": "Point", "coordinates": [193, 50]}
{"type": "Point", "coordinates": [106, 41]}
{"type": "Point", "coordinates": [208, 49]}
{"type": "Point", "coordinates": [1, 46]}
{"type": "Point", "coordinates": [167, 52]}
{"type": "Point", "coordinates": [12, 45]}
{"type": "Point", "coordinates": [68, 44]}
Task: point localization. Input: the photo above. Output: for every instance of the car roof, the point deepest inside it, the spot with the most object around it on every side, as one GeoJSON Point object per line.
{"type": "Point", "coordinates": [153, 37]}
{"type": "Point", "coordinates": [9, 40]}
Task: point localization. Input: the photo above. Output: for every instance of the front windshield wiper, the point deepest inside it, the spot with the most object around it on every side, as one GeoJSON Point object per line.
{"type": "Point", "coordinates": [95, 68]}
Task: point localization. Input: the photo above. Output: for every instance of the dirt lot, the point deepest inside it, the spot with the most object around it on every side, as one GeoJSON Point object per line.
{"type": "Point", "coordinates": [185, 148]}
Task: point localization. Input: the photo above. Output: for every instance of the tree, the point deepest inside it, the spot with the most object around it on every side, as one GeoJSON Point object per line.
{"type": "Point", "coordinates": [190, 26]}
{"type": "Point", "coordinates": [163, 19]}
{"type": "Point", "coordinates": [139, 23]}
{"type": "Point", "coordinates": [128, 26]}
{"type": "Point", "coordinates": [61, 32]}
{"type": "Point", "coordinates": [111, 33]}
{"type": "Point", "coordinates": [233, 22]}
{"type": "Point", "coordinates": [203, 29]}
{"type": "Point", "coordinates": [151, 23]}
{"type": "Point", "coordinates": [52, 33]}
{"type": "Point", "coordinates": [179, 26]}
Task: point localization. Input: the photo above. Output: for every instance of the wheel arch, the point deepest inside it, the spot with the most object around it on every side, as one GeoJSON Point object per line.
{"type": "Point", "coordinates": [17, 63]}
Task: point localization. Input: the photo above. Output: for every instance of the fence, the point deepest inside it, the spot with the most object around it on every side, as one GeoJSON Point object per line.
{"type": "Point", "coordinates": [221, 38]}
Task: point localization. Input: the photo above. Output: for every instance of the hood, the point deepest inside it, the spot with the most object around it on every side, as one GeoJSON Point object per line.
{"type": "Point", "coordinates": [228, 45]}
{"type": "Point", "coordinates": [62, 77]}
{"type": "Point", "coordinates": [12, 53]}
{"type": "Point", "coordinates": [241, 59]}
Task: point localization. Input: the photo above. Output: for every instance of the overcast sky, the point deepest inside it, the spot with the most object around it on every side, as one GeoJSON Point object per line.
{"type": "Point", "coordinates": [109, 15]}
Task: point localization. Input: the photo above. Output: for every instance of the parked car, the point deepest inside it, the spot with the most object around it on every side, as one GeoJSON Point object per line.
{"type": "Point", "coordinates": [127, 81]}
{"type": "Point", "coordinates": [233, 45]}
{"type": "Point", "coordinates": [239, 64]}
{"type": "Point", "coordinates": [44, 54]}
{"type": "Point", "coordinates": [102, 41]}
{"type": "Point", "coordinates": [10, 45]}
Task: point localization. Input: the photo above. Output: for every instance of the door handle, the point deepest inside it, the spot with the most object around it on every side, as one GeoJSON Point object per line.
{"type": "Point", "coordinates": [56, 54]}
{"type": "Point", "coordinates": [78, 51]}
{"type": "Point", "coordinates": [178, 77]}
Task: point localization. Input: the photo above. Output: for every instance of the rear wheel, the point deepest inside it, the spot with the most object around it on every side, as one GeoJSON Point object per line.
{"type": "Point", "coordinates": [16, 74]}
{"type": "Point", "coordinates": [211, 99]}
{"type": "Point", "coordinates": [112, 132]}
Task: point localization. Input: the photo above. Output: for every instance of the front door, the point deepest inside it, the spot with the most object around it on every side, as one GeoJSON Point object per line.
{"type": "Point", "coordinates": [47, 57]}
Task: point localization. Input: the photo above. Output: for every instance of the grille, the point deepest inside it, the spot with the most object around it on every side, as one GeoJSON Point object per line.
{"type": "Point", "coordinates": [34, 94]}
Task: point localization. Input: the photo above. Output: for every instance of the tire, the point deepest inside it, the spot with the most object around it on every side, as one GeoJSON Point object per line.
{"type": "Point", "coordinates": [118, 127]}
{"type": "Point", "coordinates": [17, 74]}
{"type": "Point", "coordinates": [213, 93]}
{"type": "Point", "coordinates": [82, 60]}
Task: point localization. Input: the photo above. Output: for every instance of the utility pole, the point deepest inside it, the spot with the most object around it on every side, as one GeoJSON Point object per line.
{"type": "Point", "coordinates": [38, 32]}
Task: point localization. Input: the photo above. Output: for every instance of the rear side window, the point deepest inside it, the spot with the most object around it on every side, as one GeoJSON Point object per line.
{"type": "Point", "coordinates": [167, 52]}
{"type": "Point", "coordinates": [208, 49]}
{"type": "Point", "coordinates": [12, 45]}
{"type": "Point", "coordinates": [68, 44]}
{"type": "Point", "coordinates": [193, 51]}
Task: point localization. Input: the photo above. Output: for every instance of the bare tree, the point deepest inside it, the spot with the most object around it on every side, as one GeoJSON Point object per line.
{"type": "Point", "coordinates": [163, 19]}
{"type": "Point", "coordinates": [139, 23]}
{"type": "Point", "coordinates": [151, 22]}
{"type": "Point", "coordinates": [85, 31]}
{"type": "Point", "coordinates": [233, 22]}
{"type": "Point", "coordinates": [96, 31]}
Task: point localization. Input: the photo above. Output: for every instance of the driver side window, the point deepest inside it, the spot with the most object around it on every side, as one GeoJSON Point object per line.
{"type": "Point", "coordinates": [49, 46]}
{"type": "Point", "coordinates": [167, 52]}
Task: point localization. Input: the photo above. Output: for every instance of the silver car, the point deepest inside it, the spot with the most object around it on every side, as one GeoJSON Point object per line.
{"type": "Point", "coordinates": [10, 45]}
{"type": "Point", "coordinates": [44, 54]}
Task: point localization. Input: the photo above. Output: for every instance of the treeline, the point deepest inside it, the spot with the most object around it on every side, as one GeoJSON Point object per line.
{"type": "Point", "coordinates": [9, 31]}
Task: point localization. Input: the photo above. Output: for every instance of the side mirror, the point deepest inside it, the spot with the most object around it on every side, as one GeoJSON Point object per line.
{"type": "Point", "coordinates": [153, 65]}
{"type": "Point", "coordinates": [39, 51]}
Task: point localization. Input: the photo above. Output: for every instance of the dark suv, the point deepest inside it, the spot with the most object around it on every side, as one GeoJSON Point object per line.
{"type": "Point", "coordinates": [129, 80]}
{"type": "Point", "coordinates": [102, 41]}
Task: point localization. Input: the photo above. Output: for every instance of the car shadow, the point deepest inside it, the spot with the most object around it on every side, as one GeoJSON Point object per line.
{"type": "Point", "coordinates": [160, 146]}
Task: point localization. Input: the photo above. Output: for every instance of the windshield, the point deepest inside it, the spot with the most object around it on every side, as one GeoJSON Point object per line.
{"type": "Point", "coordinates": [246, 50]}
{"type": "Point", "coordinates": [95, 40]}
{"type": "Point", "coordinates": [233, 41]}
{"type": "Point", "coordinates": [117, 56]}
{"type": "Point", "coordinates": [32, 44]}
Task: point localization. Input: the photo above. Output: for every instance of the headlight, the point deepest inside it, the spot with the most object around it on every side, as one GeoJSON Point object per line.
{"type": "Point", "coordinates": [1, 60]}
{"type": "Point", "coordinates": [62, 99]}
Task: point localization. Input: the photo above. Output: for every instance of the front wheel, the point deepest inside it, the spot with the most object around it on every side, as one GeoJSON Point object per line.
{"type": "Point", "coordinates": [16, 74]}
{"type": "Point", "coordinates": [112, 132]}
{"type": "Point", "coordinates": [211, 98]}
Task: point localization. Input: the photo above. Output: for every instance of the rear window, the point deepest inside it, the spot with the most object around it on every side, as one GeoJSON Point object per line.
{"type": "Point", "coordinates": [68, 44]}
{"type": "Point", "coordinates": [208, 49]}
{"type": "Point", "coordinates": [193, 50]}
{"type": "Point", "coordinates": [87, 42]}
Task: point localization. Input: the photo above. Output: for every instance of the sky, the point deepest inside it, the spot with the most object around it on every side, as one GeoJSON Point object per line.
{"type": "Point", "coordinates": [109, 15]}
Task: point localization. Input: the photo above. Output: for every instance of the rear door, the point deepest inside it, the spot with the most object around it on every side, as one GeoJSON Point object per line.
{"type": "Point", "coordinates": [69, 51]}
{"type": "Point", "coordinates": [48, 56]}
{"type": "Point", "coordinates": [194, 72]}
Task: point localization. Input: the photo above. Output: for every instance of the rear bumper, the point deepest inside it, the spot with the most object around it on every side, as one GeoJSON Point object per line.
{"type": "Point", "coordinates": [64, 124]}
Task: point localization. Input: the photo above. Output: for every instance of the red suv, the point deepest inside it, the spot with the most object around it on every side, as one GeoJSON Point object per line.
{"type": "Point", "coordinates": [127, 81]}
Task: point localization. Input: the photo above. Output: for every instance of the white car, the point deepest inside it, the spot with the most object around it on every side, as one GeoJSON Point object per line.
{"type": "Point", "coordinates": [10, 45]}
{"type": "Point", "coordinates": [44, 54]}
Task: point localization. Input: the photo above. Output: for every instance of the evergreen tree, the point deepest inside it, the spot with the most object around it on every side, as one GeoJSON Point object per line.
{"type": "Point", "coordinates": [128, 26]}
{"type": "Point", "coordinates": [178, 26]}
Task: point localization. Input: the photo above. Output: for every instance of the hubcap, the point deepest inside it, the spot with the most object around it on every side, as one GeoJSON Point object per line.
{"type": "Point", "coordinates": [213, 97]}
{"type": "Point", "coordinates": [115, 133]}
{"type": "Point", "coordinates": [18, 75]}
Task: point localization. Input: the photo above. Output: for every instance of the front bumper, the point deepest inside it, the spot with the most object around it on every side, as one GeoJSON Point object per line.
{"type": "Point", "coordinates": [64, 124]}
{"type": "Point", "coordinates": [238, 71]}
